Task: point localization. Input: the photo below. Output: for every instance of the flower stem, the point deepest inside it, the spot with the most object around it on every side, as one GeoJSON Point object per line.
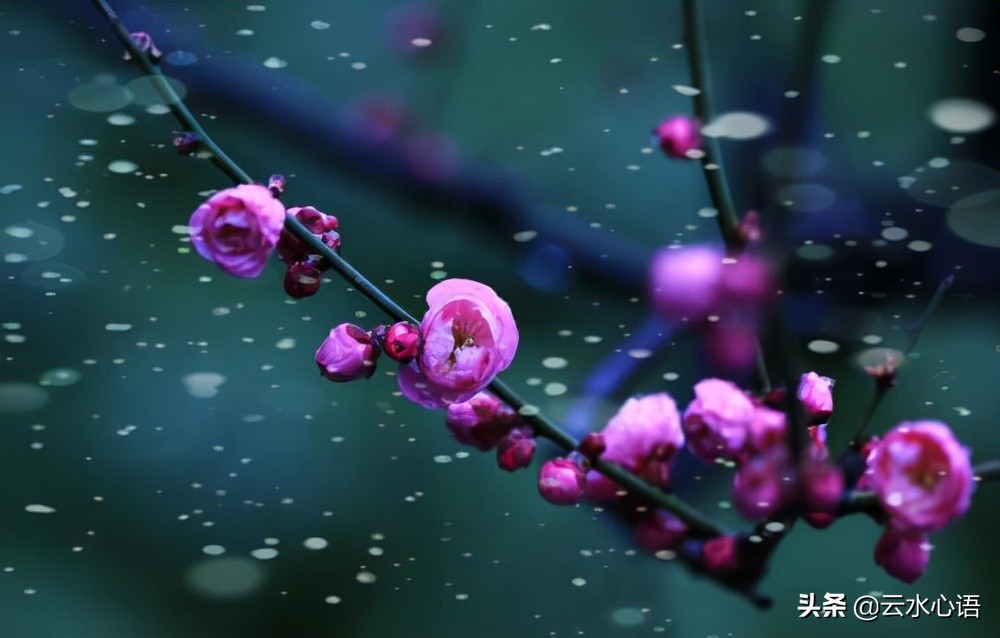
{"type": "Point", "coordinates": [913, 332]}
{"type": "Point", "coordinates": [880, 391]}
{"type": "Point", "coordinates": [711, 164]}
{"type": "Point", "coordinates": [169, 95]}
{"type": "Point", "coordinates": [542, 425]}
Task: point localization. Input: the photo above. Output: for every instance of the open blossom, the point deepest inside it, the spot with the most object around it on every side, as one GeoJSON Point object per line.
{"type": "Point", "coordinates": [481, 421]}
{"type": "Point", "coordinates": [643, 437]}
{"type": "Point", "coordinates": [816, 396]}
{"type": "Point", "coordinates": [469, 336]}
{"type": "Point", "coordinates": [903, 556]}
{"type": "Point", "coordinates": [347, 354]}
{"type": "Point", "coordinates": [238, 228]}
{"type": "Point", "coordinates": [717, 421]}
{"type": "Point", "coordinates": [921, 475]}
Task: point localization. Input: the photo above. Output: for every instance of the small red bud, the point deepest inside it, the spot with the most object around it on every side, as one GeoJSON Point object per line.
{"type": "Point", "coordinates": [515, 450]}
{"type": "Point", "coordinates": [592, 446]}
{"type": "Point", "coordinates": [302, 279]}
{"type": "Point", "coordinates": [145, 43]}
{"type": "Point", "coordinates": [401, 341]}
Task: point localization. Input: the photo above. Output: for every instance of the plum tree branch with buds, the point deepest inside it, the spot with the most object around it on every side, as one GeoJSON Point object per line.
{"type": "Point", "coordinates": [467, 319]}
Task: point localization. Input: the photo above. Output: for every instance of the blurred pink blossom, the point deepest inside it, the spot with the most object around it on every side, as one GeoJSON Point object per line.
{"type": "Point", "coordinates": [903, 556]}
{"type": "Point", "coordinates": [921, 475]}
{"type": "Point", "coordinates": [717, 421]}
{"type": "Point", "coordinates": [643, 437]}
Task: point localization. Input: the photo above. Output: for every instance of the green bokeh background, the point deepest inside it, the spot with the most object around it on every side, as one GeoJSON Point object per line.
{"type": "Point", "coordinates": [142, 474]}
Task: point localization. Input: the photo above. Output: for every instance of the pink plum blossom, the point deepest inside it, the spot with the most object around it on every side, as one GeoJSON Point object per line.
{"type": "Point", "coordinates": [678, 135]}
{"type": "Point", "coordinates": [763, 485]}
{"type": "Point", "coordinates": [731, 345]}
{"type": "Point", "coordinates": [684, 282]}
{"type": "Point", "coordinates": [643, 436]}
{"type": "Point", "coordinates": [469, 336]}
{"type": "Point", "coordinates": [347, 354]}
{"type": "Point", "coordinates": [238, 228]}
{"type": "Point", "coordinates": [717, 421]}
{"type": "Point", "coordinates": [903, 556]}
{"type": "Point", "coordinates": [822, 485]}
{"type": "Point", "coordinates": [816, 396]}
{"type": "Point", "coordinates": [560, 482]}
{"type": "Point", "coordinates": [481, 421]}
{"type": "Point", "coordinates": [766, 430]}
{"type": "Point", "coordinates": [921, 475]}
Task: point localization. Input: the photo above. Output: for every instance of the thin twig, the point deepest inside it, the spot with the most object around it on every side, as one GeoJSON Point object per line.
{"type": "Point", "coordinates": [711, 163]}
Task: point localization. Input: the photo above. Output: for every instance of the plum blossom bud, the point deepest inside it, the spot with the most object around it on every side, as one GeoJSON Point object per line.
{"type": "Point", "coordinates": [145, 43]}
{"type": "Point", "coordinates": [238, 228]}
{"type": "Point", "coordinates": [903, 556]}
{"type": "Point", "coordinates": [348, 353]}
{"type": "Point", "coordinates": [816, 396]}
{"type": "Point", "coordinates": [291, 248]}
{"type": "Point", "coordinates": [515, 449]}
{"type": "Point", "coordinates": [302, 279]}
{"type": "Point", "coordinates": [400, 341]}
{"type": "Point", "coordinates": [716, 422]}
{"type": "Point", "coordinates": [684, 282]}
{"type": "Point", "coordinates": [819, 520]}
{"type": "Point", "coordinates": [678, 136]}
{"type": "Point", "coordinates": [822, 485]}
{"type": "Point", "coordinates": [186, 142]}
{"type": "Point", "coordinates": [560, 482]}
{"type": "Point", "coordinates": [592, 446]}
{"type": "Point", "coordinates": [921, 475]}
{"type": "Point", "coordinates": [749, 227]}
{"type": "Point", "coordinates": [481, 421]}
{"type": "Point", "coordinates": [720, 554]}
{"type": "Point", "coordinates": [659, 530]}
{"type": "Point", "coordinates": [884, 371]}
{"type": "Point", "coordinates": [276, 184]}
